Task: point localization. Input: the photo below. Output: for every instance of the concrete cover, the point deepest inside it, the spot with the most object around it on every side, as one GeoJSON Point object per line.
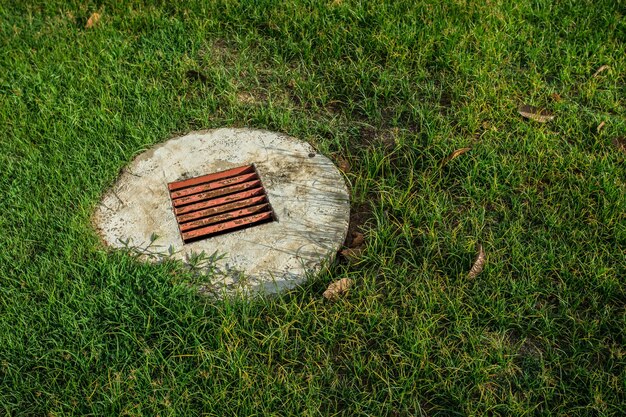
{"type": "Point", "coordinates": [305, 189]}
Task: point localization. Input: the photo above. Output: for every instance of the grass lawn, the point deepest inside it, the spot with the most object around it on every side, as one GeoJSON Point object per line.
{"type": "Point", "coordinates": [390, 89]}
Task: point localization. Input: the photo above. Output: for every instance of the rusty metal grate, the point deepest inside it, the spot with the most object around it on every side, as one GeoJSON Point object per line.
{"type": "Point", "coordinates": [218, 203]}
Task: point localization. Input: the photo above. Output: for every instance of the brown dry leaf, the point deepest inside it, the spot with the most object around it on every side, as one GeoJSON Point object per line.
{"type": "Point", "coordinates": [337, 288]}
{"type": "Point", "coordinates": [343, 164]}
{"type": "Point", "coordinates": [535, 113]}
{"type": "Point", "coordinates": [600, 70]}
{"type": "Point", "coordinates": [357, 240]}
{"type": "Point", "coordinates": [600, 126]}
{"type": "Point", "coordinates": [556, 97]}
{"type": "Point", "coordinates": [351, 253]}
{"type": "Point", "coordinates": [93, 20]}
{"type": "Point", "coordinates": [455, 154]}
{"type": "Point", "coordinates": [479, 263]}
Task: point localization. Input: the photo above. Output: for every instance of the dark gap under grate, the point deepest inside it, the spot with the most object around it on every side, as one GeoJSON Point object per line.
{"type": "Point", "coordinates": [218, 203]}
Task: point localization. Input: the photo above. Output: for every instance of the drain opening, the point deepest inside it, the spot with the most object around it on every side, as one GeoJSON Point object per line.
{"type": "Point", "coordinates": [219, 203]}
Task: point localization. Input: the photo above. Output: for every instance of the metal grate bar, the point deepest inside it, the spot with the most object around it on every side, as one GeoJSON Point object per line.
{"type": "Point", "coordinates": [220, 209]}
{"type": "Point", "coordinates": [173, 186]}
{"type": "Point", "coordinates": [227, 226]}
{"type": "Point", "coordinates": [218, 203]}
{"type": "Point", "coordinates": [216, 193]}
{"type": "Point", "coordinates": [231, 215]}
{"type": "Point", "coordinates": [220, 200]}
{"type": "Point", "coordinates": [214, 185]}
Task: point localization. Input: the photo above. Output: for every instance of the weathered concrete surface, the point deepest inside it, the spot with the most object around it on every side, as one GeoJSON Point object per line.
{"type": "Point", "coordinates": [307, 192]}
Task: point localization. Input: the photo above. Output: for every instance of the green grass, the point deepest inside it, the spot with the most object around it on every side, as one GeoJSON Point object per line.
{"type": "Point", "coordinates": [391, 87]}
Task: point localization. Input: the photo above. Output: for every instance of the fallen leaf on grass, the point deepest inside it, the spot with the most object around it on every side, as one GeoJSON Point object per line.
{"type": "Point", "coordinates": [556, 97]}
{"type": "Point", "coordinates": [343, 164]}
{"type": "Point", "coordinates": [357, 240]}
{"type": "Point", "coordinates": [93, 19]}
{"type": "Point", "coordinates": [600, 126]}
{"type": "Point", "coordinates": [535, 113]}
{"type": "Point", "coordinates": [479, 263]}
{"type": "Point", "coordinates": [355, 247]}
{"type": "Point", "coordinates": [455, 154]}
{"type": "Point", "coordinates": [351, 253]}
{"type": "Point", "coordinates": [338, 288]}
{"type": "Point", "coordinates": [600, 70]}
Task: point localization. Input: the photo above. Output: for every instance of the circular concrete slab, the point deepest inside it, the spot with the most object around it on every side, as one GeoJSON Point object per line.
{"type": "Point", "coordinates": [306, 191]}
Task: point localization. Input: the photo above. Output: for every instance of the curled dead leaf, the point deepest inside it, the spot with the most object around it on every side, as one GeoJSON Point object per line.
{"type": "Point", "coordinates": [93, 20]}
{"type": "Point", "coordinates": [479, 263]}
{"type": "Point", "coordinates": [535, 113]}
{"type": "Point", "coordinates": [455, 154]}
{"type": "Point", "coordinates": [343, 164]}
{"type": "Point", "coordinates": [600, 70]}
{"type": "Point", "coordinates": [357, 240]}
{"type": "Point", "coordinates": [600, 126]}
{"type": "Point", "coordinates": [351, 253]}
{"type": "Point", "coordinates": [337, 288]}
